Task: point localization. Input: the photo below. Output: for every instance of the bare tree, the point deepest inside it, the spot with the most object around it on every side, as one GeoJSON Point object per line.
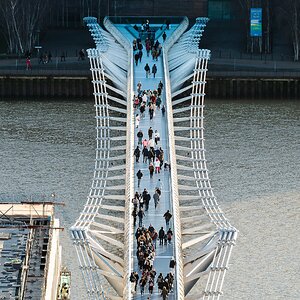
{"type": "Point", "coordinates": [289, 10]}
{"type": "Point", "coordinates": [21, 20]}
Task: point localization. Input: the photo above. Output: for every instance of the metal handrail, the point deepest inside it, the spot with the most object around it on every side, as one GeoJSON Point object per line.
{"type": "Point", "coordinates": [226, 232]}
{"type": "Point", "coordinates": [176, 34]}
{"type": "Point", "coordinates": [174, 181]}
{"type": "Point", "coordinates": [128, 230]}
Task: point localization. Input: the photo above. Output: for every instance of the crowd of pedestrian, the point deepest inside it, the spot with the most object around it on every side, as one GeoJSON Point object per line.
{"type": "Point", "coordinates": [151, 46]}
{"type": "Point", "coordinates": [145, 254]}
{"type": "Point", "coordinates": [45, 57]}
{"type": "Point", "coordinates": [149, 151]}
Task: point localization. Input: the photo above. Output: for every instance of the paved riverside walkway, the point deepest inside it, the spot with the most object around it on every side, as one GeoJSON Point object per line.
{"type": "Point", "coordinates": [164, 253]}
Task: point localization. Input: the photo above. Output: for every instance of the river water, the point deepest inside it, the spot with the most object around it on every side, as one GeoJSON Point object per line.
{"type": "Point", "coordinates": [253, 156]}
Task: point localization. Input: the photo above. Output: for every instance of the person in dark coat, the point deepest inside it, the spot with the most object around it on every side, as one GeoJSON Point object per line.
{"type": "Point", "coordinates": [151, 155]}
{"type": "Point", "coordinates": [147, 69]}
{"type": "Point", "coordinates": [150, 132]}
{"type": "Point", "coordinates": [134, 214]}
{"type": "Point", "coordinates": [151, 169]}
{"type": "Point", "coordinates": [141, 216]}
{"type": "Point", "coordinates": [151, 112]}
{"type": "Point", "coordinates": [146, 196]}
{"type": "Point", "coordinates": [140, 137]}
{"type": "Point", "coordinates": [168, 24]}
{"type": "Point", "coordinates": [137, 153]}
{"type": "Point", "coordinates": [163, 110]}
{"type": "Point", "coordinates": [160, 85]}
{"type": "Point", "coordinates": [139, 175]}
{"type": "Point", "coordinates": [172, 264]}
{"type": "Point", "coordinates": [154, 70]}
{"type": "Point", "coordinates": [136, 58]}
{"type": "Point", "coordinates": [167, 215]}
{"type": "Point", "coordinates": [161, 235]}
{"type": "Point", "coordinates": [145, 153]}
{"type": "Point", "coordinates": [142, 110]}
{"type": "Point", "coordinates": [156, 198]}
{"type": "Point", "coordinates": [140, 54]}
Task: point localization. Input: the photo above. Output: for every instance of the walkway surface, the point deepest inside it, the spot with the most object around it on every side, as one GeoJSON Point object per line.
{"type": "Point", "coordinates": [153, 216]}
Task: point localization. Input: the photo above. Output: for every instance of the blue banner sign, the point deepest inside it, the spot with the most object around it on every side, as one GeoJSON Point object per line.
{"type": "Point", "coordinates": [256, 22]}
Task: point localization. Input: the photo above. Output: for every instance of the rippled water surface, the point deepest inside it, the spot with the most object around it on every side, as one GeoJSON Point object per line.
{"type": "Point", "coordinates": [253, 155]}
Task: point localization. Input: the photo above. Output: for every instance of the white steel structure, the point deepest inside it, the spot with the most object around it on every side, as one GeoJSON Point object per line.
{"type": "Point", "coordinates": [103, 234]}
{"type": "Point", "coordinates": [205, 249]}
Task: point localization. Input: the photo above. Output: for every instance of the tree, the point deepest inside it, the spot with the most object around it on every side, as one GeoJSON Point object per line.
{"type": "Point", "coordinates": [289, 11]}
{"type": "Point", "coordinates": [262, 43]}
{"type": "Point", "coordinates": [21, 20]}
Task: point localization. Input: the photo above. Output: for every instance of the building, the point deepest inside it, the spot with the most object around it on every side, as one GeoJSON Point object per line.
{"type": "Point", "coordinates": [30, 251]}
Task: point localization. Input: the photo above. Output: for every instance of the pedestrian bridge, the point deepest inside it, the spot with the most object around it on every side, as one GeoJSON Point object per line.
{"type": "Point", "coordinates": [105, 236]}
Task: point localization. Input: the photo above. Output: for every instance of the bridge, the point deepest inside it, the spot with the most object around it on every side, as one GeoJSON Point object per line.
{"type": "Point", "coordinates": [107, 241]}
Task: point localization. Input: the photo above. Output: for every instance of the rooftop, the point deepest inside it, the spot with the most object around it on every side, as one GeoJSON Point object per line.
{"type": "Point", "coordinates": [25, 235]}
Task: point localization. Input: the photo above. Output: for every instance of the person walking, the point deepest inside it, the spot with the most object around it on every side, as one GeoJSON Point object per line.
{"type": "Point", "coordinates": [164, 36]}
{"type": "Point", "coordinates": [141, 216]}
{"type": "Point", "coordinates": [158, 102]}
{"type": "Point", "coordinates": [163, 110]}
{"type": "Point", "coordinates": [157, 165]}
{"type": "Point", "coordinates": [154, 237]}
{"type": "Point", "coordinates": [160, 85]}
{"type": "Point", "coordinates": [145, 153]}
{"type": "Point", "coordinates": [134, 277]}
{"type": "Point", "coordinates": [151, 112]}
{"type": "Point", "coordinates": [134, 215]}
{"type": "Point", "coordinates": [172, 265]}
{"type": "Point", "coordinates": [151, 155]}
{"type": "Point", "coordinates": [167, 215]}
{"type": "Point", "coordinates": [154, 70]}
{"type": "Point", "coordinates": [150, 132]}
{"type": "Point", "coordinates": [142, 110]}
{"type": "Point", "coordinates": [137, 120]}
{"type": "Point", "coordinates": [169, 235]}
{"type": "Point", "coordinates": [140, 55]}
{"type": "Point", "coordinates": [28, 64]}
{"type": "Point", "coordinates": [145, 143]}
{"type": "Point", "coordinates": [139, 86]}
{"type": "Point", "coordinates": [146, 198]}
{"type": "Point", "coordinates": [156, 198]}
{"type": "Point", "coordinates": [151, 170]}
{"type": "Point", "coordinates": [151, 286]}
{"type": "Point", "coordinates": [143, 282]}
{"type": "Point", "coordinates": [140, 137]}
{"type": "Point", "coordinates": [136, 58]}
{"type": "Point", "coordinates": [135, 202]}
{"type": "Point", "coordinates": [144, 98]}
{"type": "Point", "coordinates": [158, 184]}
{"type": "Point", "coordinates": [156, 137]}
{"type": "Point", "coordinates": [137, 153]}
{"type": "Point", "coordinates": [161, 235]}
{"type": "Point", "coordinates": [164, 293]}
{"type": "Point", "coordinates": [147, 69]}
{"type": "Point", "coordinates": [81, 55]}
{"type": "Point", "coordinates": [141, 202]}
{"type": "Point", "coordinates": [139, 175]}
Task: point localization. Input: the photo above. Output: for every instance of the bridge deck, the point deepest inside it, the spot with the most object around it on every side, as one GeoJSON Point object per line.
{"type": "Point", "coordinates": [153, 216]}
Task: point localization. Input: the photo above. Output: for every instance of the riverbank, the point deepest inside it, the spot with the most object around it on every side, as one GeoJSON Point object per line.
{"type": "Point", "coordinates": [227, 79]}
{"type": "Point", "coordinates": [78, 85]}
